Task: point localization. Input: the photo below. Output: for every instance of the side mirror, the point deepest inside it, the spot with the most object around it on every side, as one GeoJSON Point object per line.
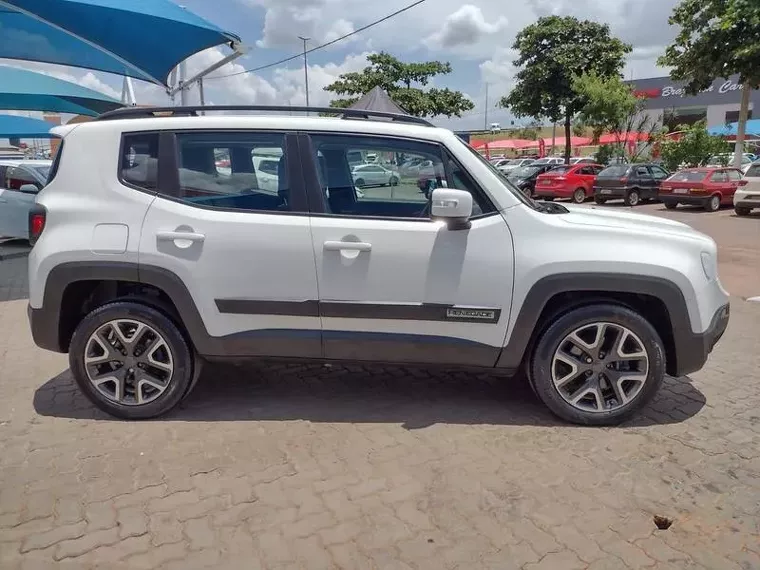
{"type": "Point", "coordinates": [28, 189]}
{"type": "Point", "coordinates": [452, 206]}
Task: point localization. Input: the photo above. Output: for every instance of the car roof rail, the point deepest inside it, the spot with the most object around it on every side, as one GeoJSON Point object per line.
{"type": "Point", "coordinates": [193, 111]}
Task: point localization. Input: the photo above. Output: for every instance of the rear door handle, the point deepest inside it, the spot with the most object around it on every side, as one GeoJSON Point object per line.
{"type": "Point", "coordinates": [187, 236]}
{"type": "Point", "coordinates": [347, 245]}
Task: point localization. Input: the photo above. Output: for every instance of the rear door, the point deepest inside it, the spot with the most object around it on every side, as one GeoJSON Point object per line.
{"type": "Point", "coordinates": [586, 175]}
{"type": "Point", "coordinates": [719, 182]}
{"type": "Point", "coordinates": [242, 249]}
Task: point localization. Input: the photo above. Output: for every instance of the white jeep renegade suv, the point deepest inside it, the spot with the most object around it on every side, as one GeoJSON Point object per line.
{"type": "Point", "coordinates": [157, 247]}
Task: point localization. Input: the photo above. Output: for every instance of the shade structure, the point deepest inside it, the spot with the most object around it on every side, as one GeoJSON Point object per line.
{"type": "Point", "coordinates": [623, 138]}
{"type": "Point", "coordinates": [732, 129]}
{"type": "Point", "coordinates": [144, 39]}
{"type": "Point", "coordinates": [559, 140]}
{"type": "Point", "coordinates": [378, 100]}
{"type": "Point", "coordinates": [505, 144]}
{"type": "Point", "coordinates": [21, 89]}
{"type": "Point", "coordinates": [17, 127]}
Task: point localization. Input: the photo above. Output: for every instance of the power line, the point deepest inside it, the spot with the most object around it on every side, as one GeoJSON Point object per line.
{"type": "Point", "coordinates": [336, 40]}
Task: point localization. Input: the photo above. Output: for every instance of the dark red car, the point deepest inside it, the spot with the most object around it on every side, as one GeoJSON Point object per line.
{"type": "Point", "coordinates": [575, 181]}
{"type": "Point", "coordinates": [710, 188]}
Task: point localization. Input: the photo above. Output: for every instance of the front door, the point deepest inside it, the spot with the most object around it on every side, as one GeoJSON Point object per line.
{"type": "Point", "coordinates": [395, 286]}
{"type": "Point", "coordinates": [242, 248]}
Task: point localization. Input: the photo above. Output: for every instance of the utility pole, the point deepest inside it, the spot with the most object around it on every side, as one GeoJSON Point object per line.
{"type": "Point", "coordinates": [485, 119]}
{"type": "Point", "coordinates": [305, 68]}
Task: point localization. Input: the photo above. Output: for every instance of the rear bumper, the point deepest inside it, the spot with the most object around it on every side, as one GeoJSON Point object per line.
{"type": "Point", "coordinates": [44, 325]}
{"type": "Point", "coordinates": [684, 198]}
{"type": "Point", "coordinates": [692, 349]}
{"type": "Point", "coordinates": [555, 192]}
{"type": "Point", "coordinates": [611, 193]}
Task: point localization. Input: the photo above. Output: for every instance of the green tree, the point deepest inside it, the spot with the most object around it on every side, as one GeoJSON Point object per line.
{"type": "Point", "coordinates": [693, 148]}
{"type": "Point", "coordinates": [611, 106]}
{"type": "Point", "coordinates": [552, 52]}
{"type": "Point", "coordinates": [405, 83]}
{"type": "Point", "coordinates": [718, 38]}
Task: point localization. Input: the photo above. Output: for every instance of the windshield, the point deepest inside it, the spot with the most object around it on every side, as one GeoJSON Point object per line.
{"type": "Point", "coordinates": [688, 176]}
{"type": "Point", "coordinates": [613, 172]}
{"type": "Point", "coordinates": [561, 169]}
{"type": "Point", "coordinates": [503, 179]}
{"type": "Point", "coordinates": [524, 172]}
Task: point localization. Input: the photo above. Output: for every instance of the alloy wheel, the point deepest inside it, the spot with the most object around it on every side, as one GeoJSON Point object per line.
{"type": "Point", "coordinates": [600, 367]}
{"type": "Point", "coordinates": [579, 196]}
{"type": "Point", "coordinates": [633, 198]}
{"type": "Point", "coordinates": [128, 362]}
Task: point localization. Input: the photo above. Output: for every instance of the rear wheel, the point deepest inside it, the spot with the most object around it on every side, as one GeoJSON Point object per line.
{"type": "Point", "coordinates": [393, 181]}
{"type": "Point", "coordinates": [712, 204]}
{"type": "Point", "coordinates": [598, 364]}
{"type": "Point", "coordinates": [360, 182]}
{"type": "Point", "coordinates": [742, 211]}
{"type": "Point", "coordinates": [579, 196]}
{"type": "Point", "coordinates": [130, 360]}
{"type": "Point", "coordinates": [671, 205]}
{"type": "Point", "coordinates": [632, 198]}
{"type": "Point", "coordinates": [600, 200]}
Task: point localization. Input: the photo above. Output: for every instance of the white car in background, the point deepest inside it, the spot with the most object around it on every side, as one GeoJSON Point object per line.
{"type": "Point", "coordinates": [514, 164]}
{"type": "Point", "coordinates": [747, 195]}
{"type": "Point", "coordinates": [20, 180]}
{"type": "Point", "coordinates": [719, 160]}
{"type": "Point", "coordinates": [373, 175]}
{"type": "Point", "coordinates": [266, 172]}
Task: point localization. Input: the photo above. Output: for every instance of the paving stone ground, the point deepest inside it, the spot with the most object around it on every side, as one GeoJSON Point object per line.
{"type": "Point", "coordinates": [293, 466]}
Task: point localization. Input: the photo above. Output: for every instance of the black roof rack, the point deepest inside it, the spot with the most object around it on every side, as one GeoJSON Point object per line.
{"type": "Point", "coordinates": [192, 111]}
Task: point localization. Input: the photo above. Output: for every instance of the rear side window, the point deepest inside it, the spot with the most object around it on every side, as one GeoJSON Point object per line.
{"type": "Point", "coordinates": [139, 160]}
{"type": "Point", "coordinates": [754, 171]}
{"type": "Point", "coordinates": [234, 171]}
{"type": "Point", "coordinates": [614, 172]}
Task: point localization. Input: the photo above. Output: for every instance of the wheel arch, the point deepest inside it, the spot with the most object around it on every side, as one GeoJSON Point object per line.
{"type": "Point", "coordinates": [660, 301]}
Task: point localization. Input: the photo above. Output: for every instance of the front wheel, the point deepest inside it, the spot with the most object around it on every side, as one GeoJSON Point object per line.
{"type": "Point", "coordinates": [712, 204]}
{"type": "Point", "coordinates": [393, 181]}
{"type": "Point", "coordinates": [598, 364]}
{"type": "Point", "coordinates": [742, 211]}
{"type": "Point", "coordinates": [579, 196]}
{"type": "Point", "coordinates": [632, 198]}
{"type": "Point", "coordinates": [130, 360]}
{"type": "Point", "coordinates": [671, 205]}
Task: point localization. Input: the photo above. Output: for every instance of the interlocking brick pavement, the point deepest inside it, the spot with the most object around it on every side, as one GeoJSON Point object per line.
{"type": "Point", "coordinates": [292, 466]}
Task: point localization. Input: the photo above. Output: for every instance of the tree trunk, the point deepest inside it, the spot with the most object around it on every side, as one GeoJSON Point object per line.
{"type": "Point", "coordinates": [568, 134]}
{"type": "Point", "coordinates": [743, 113]}
{"type": "Point", "coordinates": [554, 135]}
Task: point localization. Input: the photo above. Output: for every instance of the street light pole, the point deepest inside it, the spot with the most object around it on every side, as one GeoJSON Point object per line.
{"type": "Point", "coordinates": [305, 68]}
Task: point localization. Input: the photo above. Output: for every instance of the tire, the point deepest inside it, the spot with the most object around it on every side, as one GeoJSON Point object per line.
{"type": "Point", "coordinates": [712, 204]}
{"type": "Point", "coordinates": [742, 211]}
{"type": "Point", "coordinates": [632, 198]}
{"type": "Point", "coordinates": [579, 196]}
{"type": "Point", "coordinates": [671, 205]}
{"type": "Point", "coordinates": [599, 200]}
{"type": "Point", "coordinates": [173, 360]}
{"type": "Point", "coordinates": [641, 388]}
{"type": "Point", "coordinates": [548, 198]}
{"type": "Point", "coordinates": [393, 181]}
{"type": "Point", "coordinates": [360, 182]}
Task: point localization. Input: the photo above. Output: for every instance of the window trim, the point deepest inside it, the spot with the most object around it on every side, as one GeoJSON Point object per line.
{"type": "Point", "coordinates": [314, 188]}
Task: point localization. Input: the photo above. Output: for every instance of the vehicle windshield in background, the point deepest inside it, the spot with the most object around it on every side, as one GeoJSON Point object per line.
{"type": "Point", "coordinates": [524, 172]}
{"type": "Point", "coordinates": [754, 171]}
{"type": "Point", "coordinates": [722, 159]}
{"type": "Point", "coordinates": [613, 172]}
{"type": "Point", "coordinates": [688, 176]}
{"type": "Point", "coordinates": [43, 171]}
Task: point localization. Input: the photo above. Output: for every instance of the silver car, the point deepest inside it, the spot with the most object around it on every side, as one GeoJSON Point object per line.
{"type": "Point", "coordinates": [373, 175]}
{"type": "Point", "coordinates": [20, 180]}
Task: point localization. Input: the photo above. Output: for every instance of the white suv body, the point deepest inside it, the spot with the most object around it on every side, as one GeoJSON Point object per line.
{"type": "Point", "coordinates": [477, 276]}
{"type": "Point", "coordinates": [747, 195]}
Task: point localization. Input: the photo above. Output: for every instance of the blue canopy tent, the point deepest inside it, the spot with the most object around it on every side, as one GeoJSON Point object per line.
{"type": "Point", "coordinates": [17, 127]}
{"type": "Point", "coordinates": [731, 129]}
{"type": "Point", "coordinates": [21, 89]}
{"type": "Point", "coordinates": [144, 39]}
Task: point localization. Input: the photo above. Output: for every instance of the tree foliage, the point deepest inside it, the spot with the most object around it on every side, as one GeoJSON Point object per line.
{"type": "Point", "coordinates": [694, 147]}
{"type": "Point", "coordinates": [552, 52]}
{"type": "Point", "coordinates": [717, 38]}
{"type": "Point", "coordinates": [405, 83]}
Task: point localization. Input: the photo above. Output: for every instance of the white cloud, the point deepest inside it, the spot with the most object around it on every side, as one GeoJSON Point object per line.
{"type": "Point", "coordinates": [465, 27]}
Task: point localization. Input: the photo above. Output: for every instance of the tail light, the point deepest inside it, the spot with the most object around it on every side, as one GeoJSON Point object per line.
{"type": "Point", "coordinates": [743, 182]}
{"type": "Point", "coordinates": [624, 180]}
{"type": "Point", "coordinates": [37, 218]}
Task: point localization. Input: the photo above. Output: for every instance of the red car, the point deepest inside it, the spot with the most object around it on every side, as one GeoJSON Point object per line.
{"type": "Point", "coordinates": [710, 188]}
{"type": "Point", "coordinates": [575, 181]}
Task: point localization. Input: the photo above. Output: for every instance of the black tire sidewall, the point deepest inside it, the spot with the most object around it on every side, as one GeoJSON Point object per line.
{"type": "Point", "coordinates": [600, 201]}
{"type": "Point", "coordinates": [540, 364]}
{"type": "Point", "coordinates": [742, 211]}
{"type": "Point", "coordinates": [181, 357]}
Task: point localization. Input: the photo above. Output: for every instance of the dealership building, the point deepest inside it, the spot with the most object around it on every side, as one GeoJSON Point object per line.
{"type": "Point", "coordinates": [668, 103]}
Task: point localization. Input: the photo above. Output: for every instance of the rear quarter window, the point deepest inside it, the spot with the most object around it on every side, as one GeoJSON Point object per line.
{"type": "Point", "coordinates": [753, 171]}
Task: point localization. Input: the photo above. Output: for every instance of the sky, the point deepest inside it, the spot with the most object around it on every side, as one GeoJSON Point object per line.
{"type": "Point", "coordinates": [475, 37]}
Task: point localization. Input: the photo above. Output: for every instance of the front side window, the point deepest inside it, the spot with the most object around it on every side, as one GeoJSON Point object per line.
{"type": "Point", "coordinates": [659, 173]}
{"type": "Point", "coordinates": [642, 172]}
{"type": "Point", "coordinates": [233, 170]}
{"type": "Point", "coordinates": [139, 160]}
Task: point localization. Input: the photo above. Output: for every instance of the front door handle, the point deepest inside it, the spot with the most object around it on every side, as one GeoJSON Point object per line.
{"type": "Point", "coordinates": [347, 245]}
{"type": "Point", "coordinates": [188, 236]}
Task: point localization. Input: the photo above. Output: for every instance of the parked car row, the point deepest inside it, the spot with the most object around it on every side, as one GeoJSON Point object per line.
{"type": "Point", "coordinates": [709, 187]}
{"type": "Point", "coordinates": [20, 180]}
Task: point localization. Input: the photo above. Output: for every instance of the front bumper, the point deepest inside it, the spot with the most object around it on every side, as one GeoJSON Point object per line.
{"type": "Point", "coordinates": [693, 349]}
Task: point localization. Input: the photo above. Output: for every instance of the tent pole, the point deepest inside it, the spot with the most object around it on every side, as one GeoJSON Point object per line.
{"type": "Point", "coordinates": [239, 51]}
